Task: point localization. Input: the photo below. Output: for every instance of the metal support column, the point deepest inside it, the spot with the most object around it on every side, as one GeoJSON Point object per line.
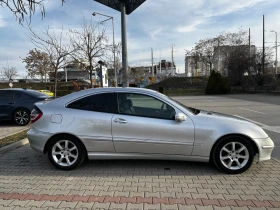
{"type": "Point", "coordinates": [124, 45]}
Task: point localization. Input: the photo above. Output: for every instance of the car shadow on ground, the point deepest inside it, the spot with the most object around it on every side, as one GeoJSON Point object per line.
{"type": "Point", "coordinates": [7, 123]}
{"type": "Point", "coordinates": [26, 162]}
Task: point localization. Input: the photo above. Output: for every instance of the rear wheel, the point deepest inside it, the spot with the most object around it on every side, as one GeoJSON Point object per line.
{"type": "Point", "coordinates": [66, 152]}
{"type": "Point", "coordinates": [233, 155]}
{"type": "Point", "coordinates": [21, 117]}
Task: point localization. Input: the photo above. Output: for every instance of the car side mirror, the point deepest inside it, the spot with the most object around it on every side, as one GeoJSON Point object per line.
{"type": "Point", "coordinates": [180, 117]}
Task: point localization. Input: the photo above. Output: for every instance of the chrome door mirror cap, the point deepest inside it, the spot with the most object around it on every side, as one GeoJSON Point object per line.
{"type": "Point", "coordinates": [180, 117]}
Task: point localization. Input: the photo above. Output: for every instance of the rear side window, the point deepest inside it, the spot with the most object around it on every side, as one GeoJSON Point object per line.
{"type": "Point", "coordinates": [104, 102]}
{"type": "Point", "coordinates": [17, 95]}
{"type": "Point", "coordinates": [6, 95]}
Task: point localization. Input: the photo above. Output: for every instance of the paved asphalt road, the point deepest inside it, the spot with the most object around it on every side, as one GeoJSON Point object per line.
{"type": "Point", "coordinates": [263, 110]}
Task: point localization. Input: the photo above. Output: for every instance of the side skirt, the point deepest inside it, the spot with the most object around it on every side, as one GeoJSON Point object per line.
{"type": "Point", "coordinates": [108, 156]}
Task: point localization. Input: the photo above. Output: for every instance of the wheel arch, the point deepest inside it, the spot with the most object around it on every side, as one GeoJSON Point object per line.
{"type": "Point", "coordinates": [20, 107]}
{"type": "Point", "coordinates": [252, 142]}
{"type": "Point", "coordinates": [62, 134]}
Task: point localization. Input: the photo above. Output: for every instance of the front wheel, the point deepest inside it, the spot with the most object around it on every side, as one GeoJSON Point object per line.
{"type": "Point", "coordinates": [66, 152]}
{"type": "Point", "coordinates": [233, 155]}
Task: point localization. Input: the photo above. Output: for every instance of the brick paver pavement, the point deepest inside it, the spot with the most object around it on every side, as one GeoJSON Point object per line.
{"type": "Point", "coordinates": [28, 181]}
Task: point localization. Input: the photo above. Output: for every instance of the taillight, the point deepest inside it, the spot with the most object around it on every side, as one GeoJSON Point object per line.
{"type": "Point", "coordinates": [35, 115]}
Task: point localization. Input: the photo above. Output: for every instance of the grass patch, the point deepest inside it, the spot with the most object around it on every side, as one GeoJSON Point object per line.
{"type": "Point", "coordinates": [13, 138]}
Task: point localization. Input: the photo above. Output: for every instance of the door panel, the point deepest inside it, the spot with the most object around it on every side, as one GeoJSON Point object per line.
{"type": "Point", "coordinates": [7, 104]}
{"type": "Point", "coordinates": [149, 135]}
{"type": "Point", "coordinates": [147, 125]}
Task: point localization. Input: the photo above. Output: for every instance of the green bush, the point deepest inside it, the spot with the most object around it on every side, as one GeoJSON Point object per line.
{"type": "Point", "coordinates": [160, 89]}
{"type": "Point", "coordinates": [217, 84]}
{"type": "Point", "coordinates": [60, 93]}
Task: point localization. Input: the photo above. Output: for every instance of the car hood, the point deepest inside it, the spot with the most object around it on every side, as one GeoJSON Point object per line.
{"type": "Point", "coordinates": [222, 116]}
{"type": "Point", "coordinates": [228, 124]}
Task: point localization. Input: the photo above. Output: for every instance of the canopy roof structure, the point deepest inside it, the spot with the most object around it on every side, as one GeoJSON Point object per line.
{"type": "Point", "coordinates": [130, 5]}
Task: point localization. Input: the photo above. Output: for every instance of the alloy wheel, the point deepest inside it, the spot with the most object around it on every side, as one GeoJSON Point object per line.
{"type": "Point", "coordinates": [65, 153]}
{"type": "Point", "coordinates": [234, 155]}
{"type": "Point", "coordinates": [21, 117]}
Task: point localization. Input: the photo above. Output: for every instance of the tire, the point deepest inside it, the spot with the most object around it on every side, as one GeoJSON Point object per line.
{"type": "Point", "coordinates": [21, 116]}
{"type": "Point", "coordinates": [66, 152]}
{"type": "Point", "coordinates": [233, 155]}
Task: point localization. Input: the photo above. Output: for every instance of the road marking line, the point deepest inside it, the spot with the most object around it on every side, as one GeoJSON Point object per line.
{"type": "Point", "coordinates": [251, 110]}
{"type": "Point", "coordinates": [275, 129]}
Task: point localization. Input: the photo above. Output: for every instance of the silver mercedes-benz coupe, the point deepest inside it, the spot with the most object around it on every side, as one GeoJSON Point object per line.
{"type": "Point", "coordinates": [136, 123]}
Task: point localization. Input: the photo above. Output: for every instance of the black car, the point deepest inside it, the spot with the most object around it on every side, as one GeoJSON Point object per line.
{"type": "Point", "coordinates": [17, 103]}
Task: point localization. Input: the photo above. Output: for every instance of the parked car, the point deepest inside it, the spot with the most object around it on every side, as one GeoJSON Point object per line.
{"type": "Point", "coordinates": [16, 104]}
{"type": "Point", "coordinates": [136, 123]}
{"type": "Point", "coordinates": [49, 93]}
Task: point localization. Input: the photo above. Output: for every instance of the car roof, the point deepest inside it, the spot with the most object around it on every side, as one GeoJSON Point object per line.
{"type": "Point", "coordinates": [31, 92]}
{"type": "Point", "coordinates": [90, 91]}
{"type": "Point", "coordinates": [111, 90]}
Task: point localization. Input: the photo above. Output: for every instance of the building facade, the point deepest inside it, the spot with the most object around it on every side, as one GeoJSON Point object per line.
{"type": "Point", "coordinates": [194, 66]}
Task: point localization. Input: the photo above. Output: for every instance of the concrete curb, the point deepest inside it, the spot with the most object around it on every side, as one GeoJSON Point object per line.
{"type": "Point", "coordinates": [13, 146]}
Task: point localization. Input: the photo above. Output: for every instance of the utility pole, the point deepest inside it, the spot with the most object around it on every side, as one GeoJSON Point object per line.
{"type": "Point", "coordinates": [152, 56]}
{"type": "Point", "coordinates": [263, 58]}
{"type": "Point", "coordinates": [276, 62]}
{"type": "Point", "coordinates": [249, 50]}
{"type": "Point", "coordinates": [218, 56]}
{"type": "Point", "coordinates": [160, 63]}
{"type": "Point", "coordinates": [156, 69]}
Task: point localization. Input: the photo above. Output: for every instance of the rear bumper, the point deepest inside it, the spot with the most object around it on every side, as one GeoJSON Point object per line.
{"type": "Point", "coordinates": [37, 139]}
{"type": "Point", "coordinates": [265, 147]}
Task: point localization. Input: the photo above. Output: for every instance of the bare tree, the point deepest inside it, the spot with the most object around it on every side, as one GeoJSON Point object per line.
{"type": "Point", "coordinates": [9, 72]}
{"type": "Point", "coordinates": [53, 45]}
{"type": "Point", "coordinates": [38, 63]}
{"type": "Point", "coordinates": [205, 49]}
{"type": "Point", "coordinates": [210, 50]}
{"type": "Point", "coordinates": [23, 8]}
{"type": "Point", "coordinates": [109, 56]}
{"type": "Point", "coordinates": [136, 73]}
{"type": "Point", "coordinates": [90, 42]}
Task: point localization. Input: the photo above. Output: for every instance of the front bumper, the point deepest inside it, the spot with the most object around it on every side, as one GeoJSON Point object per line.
{"type": "Point", "coordinates": [37, 139]}
{"type": "Point", "coordinates": [265, 147]}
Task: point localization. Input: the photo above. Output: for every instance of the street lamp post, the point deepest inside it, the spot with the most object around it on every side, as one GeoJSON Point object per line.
{"type": "Point", "coordinates": [276, 62]}
{"type": "Point", "coordinates": [114, 50]}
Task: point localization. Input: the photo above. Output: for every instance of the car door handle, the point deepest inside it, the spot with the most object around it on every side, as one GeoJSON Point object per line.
{"type": "Point", "coordinates": [119, 120]}
{"type": "Point", "coordinates": [12, 103]}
